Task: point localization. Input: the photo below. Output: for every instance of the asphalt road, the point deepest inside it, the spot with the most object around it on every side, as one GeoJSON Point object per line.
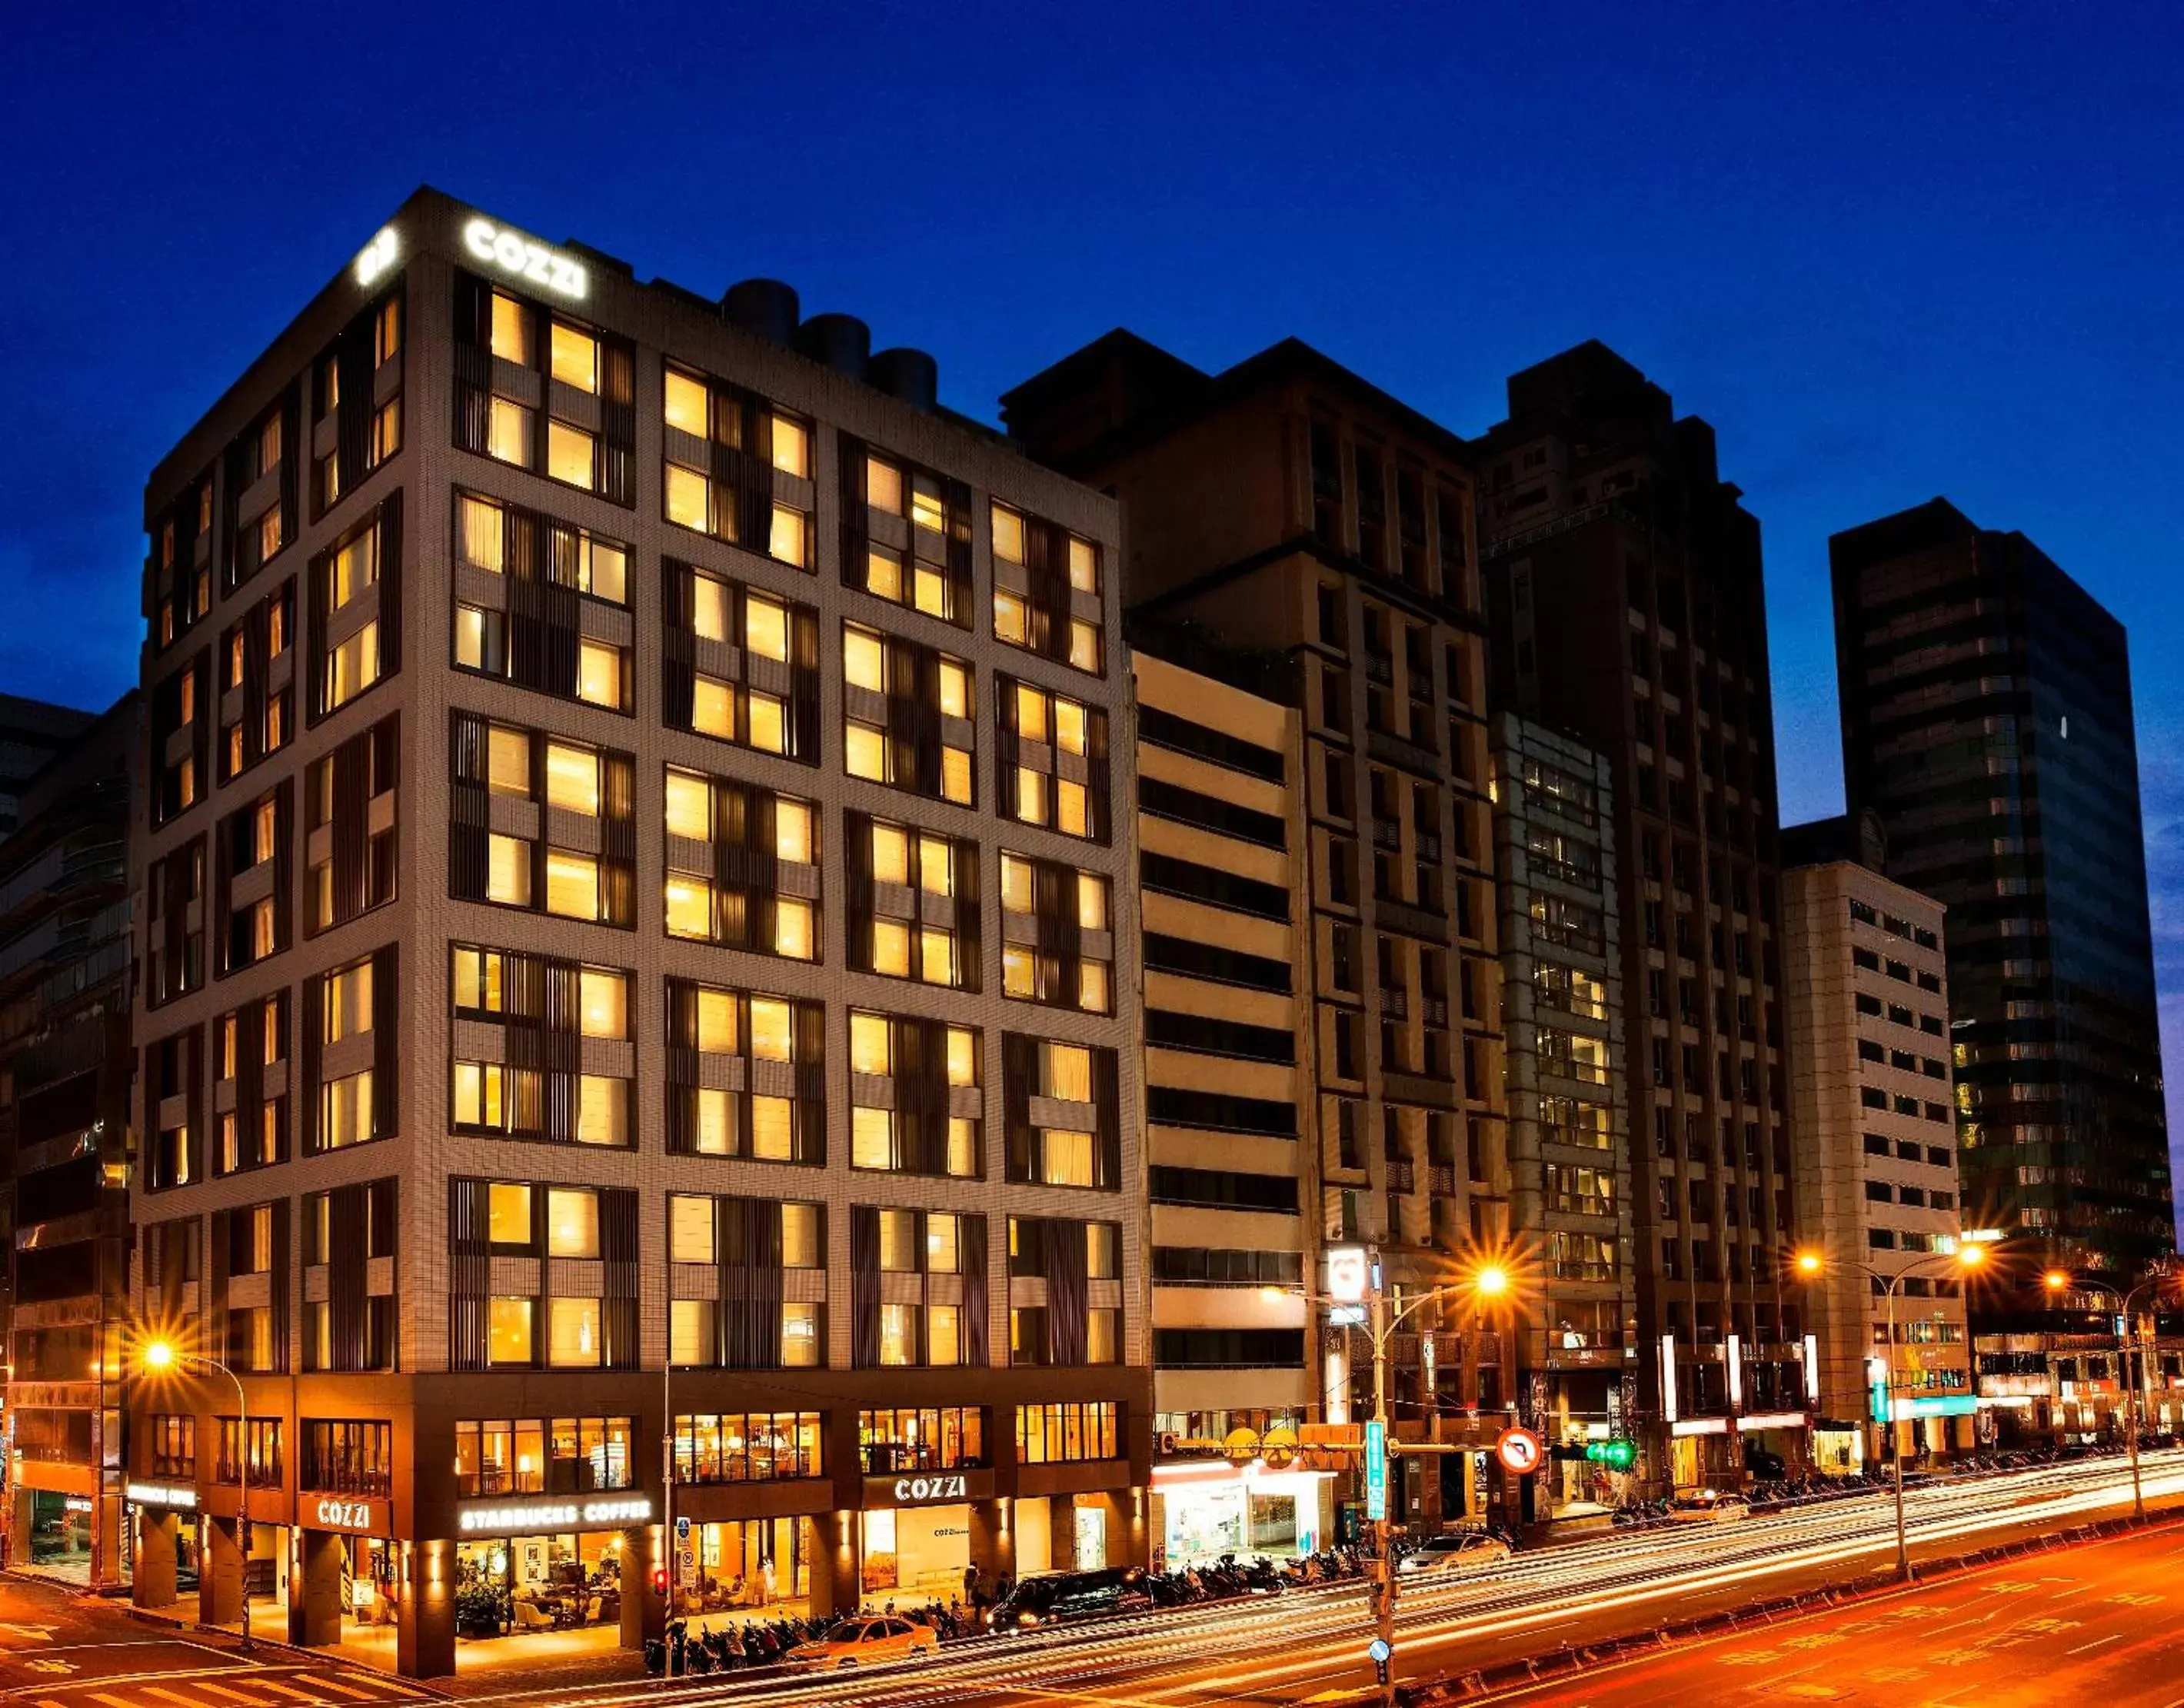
{"type": "Point", "coordinates": [62, 1650]}
{"type": "Point", "coordinates": [2094, 1623]}
{"type": "Point", "coordinates": [1306, 1646]}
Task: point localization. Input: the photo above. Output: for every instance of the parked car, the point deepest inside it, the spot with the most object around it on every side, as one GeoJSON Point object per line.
{"type": "Point", "coordinates": [1709, 1506]}
{"type": "Point", "coordinates": [866, 1641]}
{"type": "Point", "coordinates": [1455, 1556]}
{"type": "Point", "coordinates": [1057, 1597]}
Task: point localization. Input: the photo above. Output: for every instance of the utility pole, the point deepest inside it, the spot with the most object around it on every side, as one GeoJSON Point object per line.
{"type": "Point", "coordinates": [1386, 1594]}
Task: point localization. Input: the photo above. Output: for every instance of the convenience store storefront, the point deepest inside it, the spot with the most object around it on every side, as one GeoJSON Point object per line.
{"type": "Point", "coordinates": [1203, 1509]}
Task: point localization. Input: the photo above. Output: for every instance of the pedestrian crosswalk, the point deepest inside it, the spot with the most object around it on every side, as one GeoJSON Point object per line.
{"type": "Point", "coordinates": [301, 1686]}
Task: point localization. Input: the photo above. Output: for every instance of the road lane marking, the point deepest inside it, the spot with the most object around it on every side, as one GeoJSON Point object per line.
{"type": "Point", "coordinates": [172, 1695]}
{"type": "Point", "coordinates": [232, 1695]}
{"type": "Point", "coordinates": [284, 1690]}
{"type": "Point", "coordinates": [2098, 1643]}
{"type": "Point", "coordinates": [348, 1691]}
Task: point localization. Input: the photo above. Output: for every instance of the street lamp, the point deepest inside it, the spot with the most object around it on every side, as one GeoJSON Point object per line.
{"type": "Point", "coordinates": [1968, 1256]}
{"type": "Point", "coordinates": [161, 1356]}
{"type": "Point", "coordinates": [2062, 1281]}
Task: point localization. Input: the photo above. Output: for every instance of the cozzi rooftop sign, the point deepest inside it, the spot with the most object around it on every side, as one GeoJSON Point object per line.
{"type": "Point", "coordinates": [502, 248]}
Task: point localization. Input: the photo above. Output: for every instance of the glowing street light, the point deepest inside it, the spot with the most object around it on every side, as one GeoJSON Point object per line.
{"type": "Point", "coordinates": [160, 1355]}
{"type": "Point", "coordinates": [1967, 1255]}
{"type": "Point", "coordinates": [2062, 1281]}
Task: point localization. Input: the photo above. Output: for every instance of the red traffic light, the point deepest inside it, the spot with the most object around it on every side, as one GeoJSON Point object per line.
{"type": "Point", "coordinates": [659, 1580]}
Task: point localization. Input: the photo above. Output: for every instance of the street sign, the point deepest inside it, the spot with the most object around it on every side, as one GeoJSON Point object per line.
{"type": "Point", "coordinates": [1376, 1471]}
{"type": "Point", "coordinates": [1520, 1451]}
{"type": "Point", "coordinates": [1378, 1649]}
{"type": "Point", "coordinates": [1345, 1316]}
{"type": "Point", "coordinates": [686, 1556]}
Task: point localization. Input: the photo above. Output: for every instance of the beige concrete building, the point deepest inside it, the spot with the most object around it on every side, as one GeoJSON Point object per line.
{"type": "Point", "coordinates": [1233, 1345]}
{"type": "Point", "coordinates": [639, 942]}
{"type": "Point", "coordinates": [1866, 991]}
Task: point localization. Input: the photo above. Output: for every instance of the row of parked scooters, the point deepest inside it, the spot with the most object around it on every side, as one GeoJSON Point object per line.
{"type": "Point", "coordinates": [756, 1643]}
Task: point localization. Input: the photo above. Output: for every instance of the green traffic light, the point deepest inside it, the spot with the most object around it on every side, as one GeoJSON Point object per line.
{"type": "Point", "coordinates": [1616, 1455]}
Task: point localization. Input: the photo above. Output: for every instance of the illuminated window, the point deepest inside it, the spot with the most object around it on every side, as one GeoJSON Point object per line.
{"type": "Point", "coordinates": [765, 627]}
{"type": "Point", "coordinates": [865, 752]}
{"type": "Point", "coordinates": [508, 1215]}
{"type": "Point", "coordinates": [792, 839]}
{"type": "Point", "coordinates": [690, 908]}
{"type": "Point", "coordinates": [689, 805]}
{"type": "Point", "coordinates": [789, 538]}
{"type": "Point", "coordinates": [1010, 618]}
{"type": "Point", "coordinates": [573, 1222]}
{"type": "Point", "coordinates": [574, 356]}
{"type": "Point", "coordinates": [602, 1110]}
{"type": "Point", "coordinates": [508, 1331]}
{"type": "Point", "coordinates": [713, 708]}
{"type": "Point", "coordinates": [716, 1019]}
{"type": "Point", "coordinates": [883, 485]}
{"type": "Point", "coordinates": [352, 666]}
{"type": "Point", "coordinates": [793, 929]}
{"type": "Point", "coordinates": [792, 448]}
{"type": "Point", "coordinates": [483, 530]}
{"type": "Point", "coordinates": [598, 674]}
{"type": "Point", "coordinates": [1008, 535]}
{"type": "Point", "coordinates": [890, 854]}
{"type": "Point", "coordinates": [690, 1229]}
{"type": "Point", "coordinates": [768, 730]}
{"type": "Point", "coordinates": [686, 403]}
{"type": "Point", "coordinates": [572, 884]}
{"type": "Point", "coordinates": [572, 778]}
{"type": "Point", "coordinates": [508, 760]}
{"type": "Point", "coordinates": [689, 499]}
{"type": "Point", "coordinates": [602, 1003]}
{"type": "Point", "coordinates": [512, 330]}
{"type": "Point", "coordinates": [568, 453]}
{"type": "Point", "coordinates": [573, 1342]}
{"type": "Point", "coordinates": [508, 433]}
{"type": "Point", "coordinates": [772, 1038]}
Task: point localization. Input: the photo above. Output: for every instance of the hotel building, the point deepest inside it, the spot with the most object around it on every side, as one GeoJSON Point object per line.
{"type": "Point", "coordinates": [637, 939]}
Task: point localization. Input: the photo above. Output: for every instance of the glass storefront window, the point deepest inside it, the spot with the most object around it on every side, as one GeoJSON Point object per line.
{"type": "Point", "coordinates": [519, 1585]}
{"type": "Point", "coordinates": [747, 1447]}
{"type": "Point", "coordinates": [945, 1437]}
{"type": "Point", "coordinates": [530, 1455]}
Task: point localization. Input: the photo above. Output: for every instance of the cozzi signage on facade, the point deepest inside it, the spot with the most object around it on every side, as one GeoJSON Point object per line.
{"type": "Point", "coordinates": [927, 1488]}
{"type": "Point", "coordinates": [500, 246]}
{"type": "Point", "coordinates": [509, 1520]}
{"type": "Point", "coordinates": [331, 1514]}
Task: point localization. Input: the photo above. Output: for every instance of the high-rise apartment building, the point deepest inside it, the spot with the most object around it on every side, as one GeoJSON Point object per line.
{"type": "Point", "coordinates": [1286, 505]}
{"type": "Point", "coordinates": [1865, 991]}
{"type": "Point", "coordinates": [1623, 580]}
{"type": "Point", "coordinates": [1987, 715]}
{"type": "Point", "coordinates": [64, 1127]}
{"type": "Point", "coordinates": [639, 942]}
{"type": "Point", "coordinates": [1570, 1151]}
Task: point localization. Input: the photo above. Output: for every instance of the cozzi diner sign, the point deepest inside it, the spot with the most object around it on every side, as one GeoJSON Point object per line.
{"type": "Point", "coordinates": [501, 247]}
{"type": "Point", "coordinates": [927, 1488]}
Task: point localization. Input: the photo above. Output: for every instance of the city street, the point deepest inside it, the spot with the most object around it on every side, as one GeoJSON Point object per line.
{"type": "Point", "coordinates": [1309, 1644]}
{"type": "Point", "coordinates": [59, 1649]}
{"type": "Point", "coordinates": [2093, 1623]}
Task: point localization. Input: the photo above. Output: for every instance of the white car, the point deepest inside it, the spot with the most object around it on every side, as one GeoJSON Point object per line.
{"type": "Point", "coordinates": [1454, 1556]}
{"type": "Point", "coordinates": [1709, 1506]}
{"type": "Point", "coordinates": [867, 1641]}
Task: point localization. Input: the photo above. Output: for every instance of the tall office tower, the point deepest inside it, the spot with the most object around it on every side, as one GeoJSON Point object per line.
{"type": "Point", "coordinates": [31, 731]}
{"type": "Point", "coordinates": [1216, 760]}
{"type": "Point", "coordinates": [1623, 580]}
{"type": "Point", "coordinates": [1569, 1149]}
{"type": "Point", "coordinates": [1865, 989]}
{"type": "Point", "coordinates": [1287, 505]}
{"type": "Point", "coordinates": [639, 939]}
{"type": "Point", "coordinates": [1986, 717]}
{"type": "Point", "coordinates": [65, 1123]}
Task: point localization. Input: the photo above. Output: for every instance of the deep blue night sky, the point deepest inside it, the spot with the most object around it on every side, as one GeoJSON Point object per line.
{"type": "Point", "coordinates": [1889, 251]}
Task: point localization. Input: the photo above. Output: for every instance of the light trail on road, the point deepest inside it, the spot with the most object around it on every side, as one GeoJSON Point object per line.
{"type": "Point", "coordinates": [1269, 1646]}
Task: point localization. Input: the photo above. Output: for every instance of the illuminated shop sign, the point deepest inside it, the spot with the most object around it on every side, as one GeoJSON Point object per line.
{"type": "Point", "coordinates": [332, 1514]}
{"type": "Point", "coordinates": [523, 258]}
{"type": "Point", "coordinates": [933, 1488]}
{"type": "Point", "coordinates": [378, 255]}
{"type": "Point", "coordinates": [506, 1519]}
{"type": "Point", "coordinates": [162, 1494]}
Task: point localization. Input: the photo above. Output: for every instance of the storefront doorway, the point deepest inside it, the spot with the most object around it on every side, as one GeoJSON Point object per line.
{"type": "Point", "coordinates": [515, 1588]}
{"type": "Point", "coordinates": [60, 1530]}
{"type": "Point", "coordinates": [758, 1564]}
{"type": "Point", "coordinates": [1282, 1514]}
{"type": "Point", "coordinates": [914, 1554]}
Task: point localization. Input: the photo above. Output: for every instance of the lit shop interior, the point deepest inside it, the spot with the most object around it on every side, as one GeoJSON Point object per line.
{"type": "Point", "coordinates": [1203, 1511]}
